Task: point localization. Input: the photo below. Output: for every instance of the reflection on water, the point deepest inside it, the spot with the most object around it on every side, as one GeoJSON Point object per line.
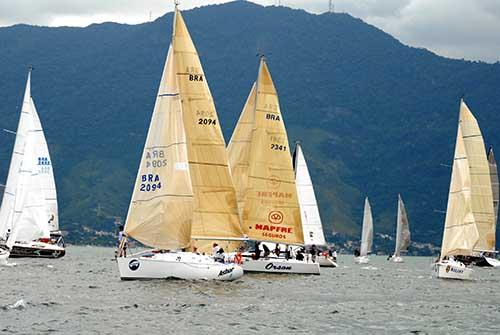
{"type": "Point", "coordinates": [83, 293]}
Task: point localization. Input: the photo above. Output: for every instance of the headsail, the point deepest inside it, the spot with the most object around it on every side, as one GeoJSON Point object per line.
{"type": "Point", "coordinates": [311, 220]}
{"type": "Point", "coordinates": [215, 208]}
{"type": "Point", "coordinates": [9, 195]}
{"type": "Point", "coordinates": [367, 230]}
{"type": "Point", "coordinates": [268, 198]}
{"type": "Point", "coordinates": [494, 183]}
{"type": "Point", "coordinates": [161, 208]}
{"type": "Point", "coordinates": [469, 215]}
{"type": "Point", "coordinates": [402, 230]}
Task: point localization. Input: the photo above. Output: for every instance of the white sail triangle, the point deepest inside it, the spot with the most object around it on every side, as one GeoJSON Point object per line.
{"type": "Point", "coordinates": [367, 230]}
{"type": "Point", "coordinates": [402, 230]}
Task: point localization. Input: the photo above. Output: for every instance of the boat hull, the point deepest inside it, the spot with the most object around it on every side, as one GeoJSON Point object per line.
{"type": "Point", "coordinates": [37, 250]}
{"type": "Point", "coordinates": [280, 265]}
{"type": "Point", "coordinates": [4, 254]}
{"type": "Point", "coordinates": [326, 262]}
{"type": "Point", "coordinates": [451, 270]}
{"type": "Point", "coordinates": [361, 260]}
{"type": "Point", "coordinates": [176, 265]}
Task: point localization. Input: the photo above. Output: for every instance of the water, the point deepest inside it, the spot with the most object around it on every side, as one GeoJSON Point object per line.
{"type": "Point", "coordinates": [82, 293]}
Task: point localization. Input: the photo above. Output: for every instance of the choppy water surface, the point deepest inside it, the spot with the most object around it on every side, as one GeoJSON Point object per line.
{"type": "Point", "coordinates": [82, 293]}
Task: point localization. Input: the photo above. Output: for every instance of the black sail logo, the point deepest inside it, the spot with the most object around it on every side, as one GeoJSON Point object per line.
{"type": "Point", "coordinates": [134, 264]}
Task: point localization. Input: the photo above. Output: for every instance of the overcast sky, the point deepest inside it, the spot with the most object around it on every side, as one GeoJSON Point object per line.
{"type": "Point", "coordinates": [467, 29]}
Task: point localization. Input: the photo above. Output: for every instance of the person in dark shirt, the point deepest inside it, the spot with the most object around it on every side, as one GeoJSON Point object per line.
{"type": "Point", "coordinates": [266, 251]}
{"type": "Point", "coordinates": [277, 250]}
{"type": "Point", "coordinates": [299, 256]}
{"type": "Point", "coordinates": [257, 250]}
{"type": "Point", "coordinates": [288, 252]}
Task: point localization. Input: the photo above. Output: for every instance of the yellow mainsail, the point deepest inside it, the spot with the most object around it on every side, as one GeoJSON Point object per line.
{"type": "Point", "coordinates": [262, 167]}
{"type": "Point", "coordinates": [162, 202]}
{"type": "Point", "coordinates": [469, 216]}
{"type": "Point", "coordinates": [215, 209]}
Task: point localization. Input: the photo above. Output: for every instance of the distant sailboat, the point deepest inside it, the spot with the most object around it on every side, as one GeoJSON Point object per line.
{"type": "Point", "coordinates": [183, 191]}
{"type": "Point", "coordinates": [366, 235]}
{"type": "Point", "coordinates": [261, 166]}
{"type": "Point", "coordinates": [309, 211]}
{"type": "Point", "coordinates": [402, 232]}
{"type": "Point", "coordinates": [469, 221]}
{"type": "Point", "coordinates": [29, 224]}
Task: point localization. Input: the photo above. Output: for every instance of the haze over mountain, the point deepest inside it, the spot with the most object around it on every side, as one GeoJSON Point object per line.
{"type": "Point", "coordinates": [375, 117]}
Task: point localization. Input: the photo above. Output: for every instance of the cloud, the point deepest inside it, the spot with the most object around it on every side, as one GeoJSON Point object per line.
{"type": "Point", "coordinates": [454, 28]}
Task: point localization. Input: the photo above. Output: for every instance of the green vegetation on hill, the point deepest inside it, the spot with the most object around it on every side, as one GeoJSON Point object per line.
{"type": "Point", "coordinates": [375, 117]}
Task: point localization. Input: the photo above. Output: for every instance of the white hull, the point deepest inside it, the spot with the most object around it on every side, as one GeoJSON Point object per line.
{"type": "Point", "coordinates": [361, 260]}
{"type": "Point", "coordinates": [4, 254]}
{"type": "Point", "coordinates": [36, 249]}
{"type": "Point", "coordinates": [492, 261]}
{"type": "Point", "coordinates": [326, 262]}
{"type": "Point", "coordinates": [397, 259]}
{"type": "Point", "coordinates": [176, 265]}
{"type": "Point", "coordinates": [280, 265]}
{"type": "Point", "coordinates": [451, 270]}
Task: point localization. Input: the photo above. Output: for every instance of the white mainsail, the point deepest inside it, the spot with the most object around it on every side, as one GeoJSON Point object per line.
{"type": "Point", "coordinates": [402, 230]}
{"type": "Point", "coordinates": [311, 220]}
{"type": "Point", "coordinates": [367, 230]}
{"type": "Point", "coordinates": [30, 204]}
{"type": "Point", "coordinates": [469, 222]}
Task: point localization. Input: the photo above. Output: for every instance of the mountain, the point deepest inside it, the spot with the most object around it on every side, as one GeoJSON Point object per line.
{"type": "Point", "coordinates": [375, 117]}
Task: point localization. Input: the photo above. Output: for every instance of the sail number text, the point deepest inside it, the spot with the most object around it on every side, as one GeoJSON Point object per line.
{"type": "Point", "coordinates": [280, 147]}
{"type": "Point", "coordinates": [150, 183]}
{"type": "Point", "coordinates": [207, 122]}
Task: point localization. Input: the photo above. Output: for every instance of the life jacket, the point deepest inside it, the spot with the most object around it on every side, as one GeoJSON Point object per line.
{"type": "Point", "coordinates": [238, 258]}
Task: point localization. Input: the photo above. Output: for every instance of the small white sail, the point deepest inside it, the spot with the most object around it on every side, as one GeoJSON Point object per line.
{"type": "Point", "coordinates": [402, 230]}
{"type": "Point", "coordinates": [367, 232]}
{"type": "Point", "coordinates": [311, 220]}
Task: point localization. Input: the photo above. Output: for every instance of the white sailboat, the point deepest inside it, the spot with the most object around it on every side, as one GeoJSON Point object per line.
{"type": "Point", "coordinates": [261, 166]}
{"type": "Point", "coordinates": [28, 215]}
{"type": "Point", "coordinates": [366, 235]}
{"type": "Point", "coordinates": [309, 211]}
{"type": "Point", "coordinates": [468, 227]}
{"type": "Point", "coordinates": [183, 191]}
{"type": "Point", "coordinates": [402, 232]}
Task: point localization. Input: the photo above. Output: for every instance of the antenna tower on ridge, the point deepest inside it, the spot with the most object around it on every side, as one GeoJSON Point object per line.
{"type": "Point", "coordinates": [330, 6]}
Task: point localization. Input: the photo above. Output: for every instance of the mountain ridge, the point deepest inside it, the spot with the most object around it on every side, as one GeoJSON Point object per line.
{"type": "Point", "coordinates": [357, 98]}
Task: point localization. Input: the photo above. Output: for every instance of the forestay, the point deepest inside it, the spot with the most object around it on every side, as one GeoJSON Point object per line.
{"type": "Point", "coordinates": [309, 211]}
{"type": "Point", "coordinates": [367, 230]}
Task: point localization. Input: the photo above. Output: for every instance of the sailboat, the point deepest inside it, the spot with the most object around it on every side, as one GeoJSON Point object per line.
{"type": "Point", "coordinates": [402, 232]}
{"type": "Point", "coordinates": [261, 166]}
{"type": "Point", "coordinates": [29, 225]}
{"type": "Point", "coordinates": [469, 225]}
{"type": "Point", "coordinates": [183, 191]}
{"type": "Point", "coordinates": [309, 211]}
{"type": "Point", "coordinates": [366, 235]}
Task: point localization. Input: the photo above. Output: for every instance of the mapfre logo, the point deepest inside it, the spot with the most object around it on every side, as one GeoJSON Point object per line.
{"type": "Point", "coordinates": [275, 217]}
{"type": "Point", "coordinates": [273, 182]}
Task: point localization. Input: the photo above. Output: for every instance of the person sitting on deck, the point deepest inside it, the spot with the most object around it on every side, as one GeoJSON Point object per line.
{"type": "Point", "coordinates": [219, 256]}
{"type": "Point", "coordinates": [299, 256]}
{"type": "Point", "coordinates": [277, 250]}
{"type": "Point", "coordinates": [256, 255]}
{"type": "Point", "coordinates": [288, 252]}
{"type": "Point", "coordinates": [266, 251]}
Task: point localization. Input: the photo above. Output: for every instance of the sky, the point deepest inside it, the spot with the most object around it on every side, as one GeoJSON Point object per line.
{"type": "Point", "coordinates": [468, 29]}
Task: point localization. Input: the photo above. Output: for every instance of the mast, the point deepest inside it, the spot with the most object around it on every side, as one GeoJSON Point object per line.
{"type": "Point", "coordinates": [310, 217]}
{"type": "Point", "coordinates": [215, 205]}
{"type": "Point", "coordinates": [367, 231]}
{"type": "Point", "coordinates": [269, 203]}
